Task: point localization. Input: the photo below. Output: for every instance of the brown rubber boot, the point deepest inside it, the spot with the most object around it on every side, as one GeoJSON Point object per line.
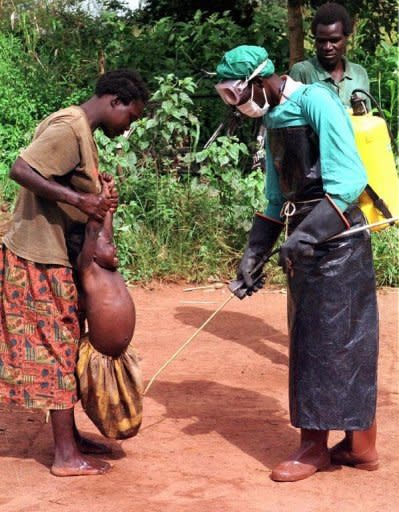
{"type": "Point", "coordinates": [312, 456]}
{"type": "Point", "coordinates": [357, 449]}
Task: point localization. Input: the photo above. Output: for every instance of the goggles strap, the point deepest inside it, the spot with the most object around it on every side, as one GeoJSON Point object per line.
{"type": "Point", "coordinates": [257, 70]}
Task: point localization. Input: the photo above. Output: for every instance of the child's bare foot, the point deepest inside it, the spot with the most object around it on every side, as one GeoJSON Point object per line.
{"type": "Point", "coordinates": [81, 466]}
{"type": "Point", "coordinates": [88, 446]}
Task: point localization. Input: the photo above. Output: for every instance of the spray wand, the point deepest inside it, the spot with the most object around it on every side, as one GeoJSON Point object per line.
{"type": "Point", "coordinates": [234, 287]}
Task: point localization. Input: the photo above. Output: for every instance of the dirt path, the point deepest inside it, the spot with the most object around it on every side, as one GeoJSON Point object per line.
{"type": "Point", "coordinates": [215, 422]}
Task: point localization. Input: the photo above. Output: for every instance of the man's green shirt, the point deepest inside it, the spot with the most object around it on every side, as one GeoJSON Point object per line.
{"type": "Point", "coordinates": [354, 77]}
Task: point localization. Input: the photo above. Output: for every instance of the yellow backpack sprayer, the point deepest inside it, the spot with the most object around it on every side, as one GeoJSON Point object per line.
{"type": "Point", "coordinates": [380, 199]}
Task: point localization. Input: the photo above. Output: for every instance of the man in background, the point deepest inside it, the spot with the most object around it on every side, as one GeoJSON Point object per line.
{"type": "Point", "coordinates": [331, 27]}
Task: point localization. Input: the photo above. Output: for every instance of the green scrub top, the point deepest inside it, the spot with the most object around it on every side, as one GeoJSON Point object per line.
{"type": "Point", "coordinates": [342, 172]}
{"type": "Point", "coordinates": [354, 77]}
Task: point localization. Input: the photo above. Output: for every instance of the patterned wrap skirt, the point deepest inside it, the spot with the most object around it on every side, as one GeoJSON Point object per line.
{"type": "Point", "coordinates": [39, 334]}
{"type": "Point", "coordinates": [333, 325]}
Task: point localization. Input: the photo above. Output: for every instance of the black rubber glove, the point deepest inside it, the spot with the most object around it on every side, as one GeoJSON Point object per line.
{"type": "Point", "coordinates": [262, 237]}
{"type": "Point", "coordinates": [323, 222]}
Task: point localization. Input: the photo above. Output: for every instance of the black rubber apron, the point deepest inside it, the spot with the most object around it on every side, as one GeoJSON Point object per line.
{"type": "Point", "coordinates": [332, 307]}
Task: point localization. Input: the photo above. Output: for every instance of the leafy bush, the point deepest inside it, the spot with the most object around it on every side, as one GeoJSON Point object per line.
{"type": "Point", "coordinates": [183, 212]}
{"type": "Point", "coordinates": [16, 109]}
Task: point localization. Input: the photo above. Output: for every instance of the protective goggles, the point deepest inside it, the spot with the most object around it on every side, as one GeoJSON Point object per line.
{"type": "Point", "coordinates": [231, 91]}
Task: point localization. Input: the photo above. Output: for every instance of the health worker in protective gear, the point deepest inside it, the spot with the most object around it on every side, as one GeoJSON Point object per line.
{"type": "Point", "coordinates": [314, 177]}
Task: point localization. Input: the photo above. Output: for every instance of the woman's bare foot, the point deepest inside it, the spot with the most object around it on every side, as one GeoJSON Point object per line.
{"type": "Point", "coordinates": [68, 460]}
{"type": "Point", "coordinates": [80, 466]}
{"type": "Point", "coordinates": [86, 445]}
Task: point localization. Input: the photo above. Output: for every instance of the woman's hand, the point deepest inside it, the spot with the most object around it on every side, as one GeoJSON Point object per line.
{"type": "Point", "coordinates": [94, 205]}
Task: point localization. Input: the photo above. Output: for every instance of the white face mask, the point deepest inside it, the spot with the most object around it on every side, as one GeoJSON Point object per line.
{"type": "Point", "coordinates": [251, 108]}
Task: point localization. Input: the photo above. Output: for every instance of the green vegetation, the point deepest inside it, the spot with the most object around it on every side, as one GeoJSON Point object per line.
{"type": "Point", "coordinates": [182, 214]}
{"type": "Point", "coordinates": [184, 210]}
{"type": "Point", "coordinates": [386, 257]}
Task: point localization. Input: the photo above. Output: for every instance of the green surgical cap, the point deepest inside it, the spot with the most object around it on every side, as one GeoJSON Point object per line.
{"type": "Point", "coordinates": [241, 62]}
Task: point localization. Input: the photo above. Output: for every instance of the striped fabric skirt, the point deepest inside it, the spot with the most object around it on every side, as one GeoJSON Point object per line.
{"type": "Point", "coordinates": [39, 334]}
{"type": "Point", "coordinates": [111, 390]}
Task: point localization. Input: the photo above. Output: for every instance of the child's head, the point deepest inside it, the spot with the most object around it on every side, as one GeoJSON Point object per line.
{"type": "Point", "coordinates": [105, 253]}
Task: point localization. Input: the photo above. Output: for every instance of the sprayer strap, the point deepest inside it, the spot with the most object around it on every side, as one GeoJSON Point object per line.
{"type": "Point", "coordinates": [378, 202]}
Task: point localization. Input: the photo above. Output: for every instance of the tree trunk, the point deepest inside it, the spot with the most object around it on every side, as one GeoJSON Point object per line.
{"type": "Point", "coordinates": [295, 30]}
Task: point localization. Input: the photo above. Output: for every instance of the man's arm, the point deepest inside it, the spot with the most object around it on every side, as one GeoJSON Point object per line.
{"type": "Point", "coordinates": [91, 204]}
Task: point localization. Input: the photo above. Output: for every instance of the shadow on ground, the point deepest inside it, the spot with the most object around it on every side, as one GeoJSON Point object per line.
{"type": "Point", "coordinates": [249, 331]}
{"type": "Point", "coordinates": [252, 421]}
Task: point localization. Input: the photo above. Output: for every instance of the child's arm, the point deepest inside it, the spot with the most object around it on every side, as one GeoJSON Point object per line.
{"type": "Point", "coordinates": [107, 230]}
{"type": "Point", "coordinates": [86, 256]}
{"type": "Point", "coordinates": [94, 229]}
{"type": "Point", "coordinates": [110, 191]}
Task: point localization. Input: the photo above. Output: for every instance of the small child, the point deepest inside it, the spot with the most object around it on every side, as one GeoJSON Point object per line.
{"type": "Point", "coordinates": [109, 375]}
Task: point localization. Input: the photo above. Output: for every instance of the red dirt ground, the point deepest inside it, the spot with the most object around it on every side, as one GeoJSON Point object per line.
{"type": "Point", "coordinates": [215, 422]}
